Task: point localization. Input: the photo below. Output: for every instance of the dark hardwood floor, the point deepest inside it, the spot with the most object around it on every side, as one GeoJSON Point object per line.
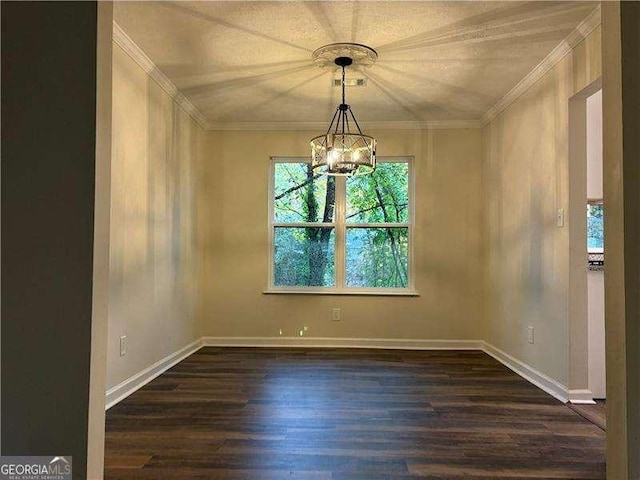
{"type": "Point", "coordinates": [348, 414]}
{"type": "Point", "coordinates": [596, 414]}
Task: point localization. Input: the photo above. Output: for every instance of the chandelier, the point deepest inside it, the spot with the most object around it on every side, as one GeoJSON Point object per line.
{"type": "Point", "coordinates": [344, 150]}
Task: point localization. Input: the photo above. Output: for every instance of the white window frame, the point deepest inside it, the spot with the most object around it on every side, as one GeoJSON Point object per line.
{"type": "Point", "coordinates": [340, 229]}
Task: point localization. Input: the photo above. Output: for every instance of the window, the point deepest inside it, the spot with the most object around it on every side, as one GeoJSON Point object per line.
{"type": "Point", "coordinates": [340, 235]}
{"type": "Point", "coordinates": [595, 227]}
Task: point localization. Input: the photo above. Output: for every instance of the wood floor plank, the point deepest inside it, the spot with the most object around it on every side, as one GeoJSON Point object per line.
{"type": "Point", "coordinates": [127, 460]}
{"type": "Point", "coordinates": [320, 414]}
{"type": "Point", "coordinates": [596, 414]}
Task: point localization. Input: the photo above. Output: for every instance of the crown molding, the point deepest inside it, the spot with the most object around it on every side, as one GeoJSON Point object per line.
{"type": "Point", "coordinates": [558, 53]}
{"type": "Point", "coordinates": [132, 49]}
{"type": "Point", "coordinates": [322, 126]}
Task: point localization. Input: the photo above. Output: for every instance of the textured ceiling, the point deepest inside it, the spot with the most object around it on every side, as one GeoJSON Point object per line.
{"type": "Point", "coordinates": [251, 61]}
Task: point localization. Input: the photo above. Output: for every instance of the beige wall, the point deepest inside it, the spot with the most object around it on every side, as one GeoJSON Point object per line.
{"type": "Point", "coordinates": [526, 178]}
{"type": "Point", "coordinates": [152, 284]}
{"type": "Point", "coordinates": [594, 146]}
{"type": "Point", "coordinates": [100, 298]}
{"type": "Point", "coordinates": [233, 243]}
{"type": "Point", "coordinates": [621, 176]}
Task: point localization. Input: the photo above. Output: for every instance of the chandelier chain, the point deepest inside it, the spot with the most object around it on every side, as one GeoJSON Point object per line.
{"type": "Point", "coordinates": [343, 82]}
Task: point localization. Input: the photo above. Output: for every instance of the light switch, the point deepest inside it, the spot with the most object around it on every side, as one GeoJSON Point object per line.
{"type": "Point", "coordinates": [560, 217]}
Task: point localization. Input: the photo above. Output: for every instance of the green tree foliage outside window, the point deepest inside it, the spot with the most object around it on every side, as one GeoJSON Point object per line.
{"type": "Point", "coordinates": [372, 228]}
{"type": "Point", "coordinates": [595, 227]}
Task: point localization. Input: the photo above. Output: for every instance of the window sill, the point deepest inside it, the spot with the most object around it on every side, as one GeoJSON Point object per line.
{"type": "Point", "coordinates": [595, 260]}
{"type": "Point", "coordinates": [380, 293]}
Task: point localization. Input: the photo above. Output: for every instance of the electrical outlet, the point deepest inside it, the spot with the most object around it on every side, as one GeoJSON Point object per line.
{"type": "Point", "coordinates": [123, 345]}
{"type": "Point", "coordinates": [531, 334]}
{"type": "Point", "coordinates": [336, 315]}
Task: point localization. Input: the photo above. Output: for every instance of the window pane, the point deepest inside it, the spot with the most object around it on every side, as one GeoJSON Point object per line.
{"type": "Point", "coordinates": [377, 257]}
{"type": "Point", "coordinates": [381, 197]}
{"type": "Point", "coordinates": [302, 196]}
{"type": "Point", "coordinates": [595, 226]}
{"type": "Point", "coordinates": [303, 257]}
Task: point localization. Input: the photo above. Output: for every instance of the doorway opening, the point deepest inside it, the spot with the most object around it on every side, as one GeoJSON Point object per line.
{"type": "Point", "coordinates": [587, 381]}
{"type": "Point", "coordinates": [595, 249]}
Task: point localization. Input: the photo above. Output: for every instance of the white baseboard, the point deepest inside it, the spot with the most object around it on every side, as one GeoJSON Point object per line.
{"type": "Point", "coordinates": [140, 379]}
{"type": "Point", "coordinates": [319, 342]}
{"type": "Point", "coordinates": [539, 379]}
{"type": "Point", "coordinates": [583, 396]}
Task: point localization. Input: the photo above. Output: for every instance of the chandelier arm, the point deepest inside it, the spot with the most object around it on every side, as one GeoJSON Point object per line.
{"type": "Point", "coordinates": [335, 132]}
{"type": "Point", "coordinates": [346, 116]}
{"type": "Point", "coordinates": [332, 120]}
{"type": "Point", "coordinates": [356, 121]}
